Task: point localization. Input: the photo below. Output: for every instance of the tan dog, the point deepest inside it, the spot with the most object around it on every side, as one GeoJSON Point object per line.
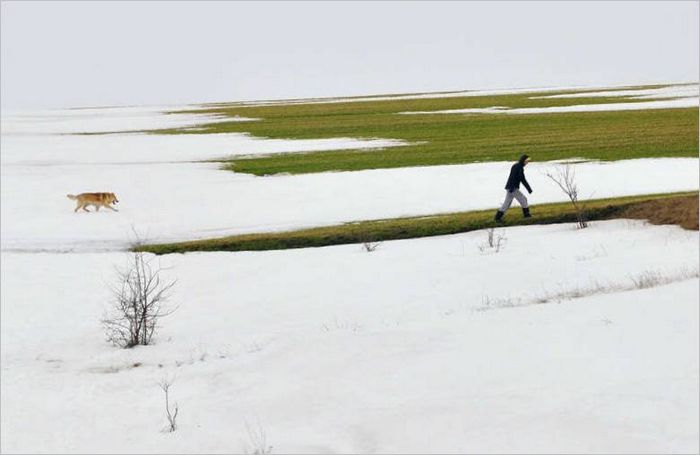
{"type": "Point", "coordinates": [96, 199]}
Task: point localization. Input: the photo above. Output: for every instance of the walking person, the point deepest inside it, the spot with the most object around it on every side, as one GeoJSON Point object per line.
{"type": "Point", "coordinates": [516, 177]}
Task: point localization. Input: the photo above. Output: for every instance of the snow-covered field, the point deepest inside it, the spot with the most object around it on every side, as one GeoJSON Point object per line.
{"type": "Point", "coordinates": [425, 345]}
{"type": "Point", "coordinates": [180, 201]}
{"type": "Point", "coordinates": [166, 197]}
{"type": "Point", "coordinates": [338, 350]}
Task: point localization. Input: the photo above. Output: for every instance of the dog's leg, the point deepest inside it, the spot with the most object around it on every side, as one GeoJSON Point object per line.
{"type": "Point", "coordinates": [97, 208]}
{"type": "Point", "coordinates": [85, 208]}
{"type": "Point", "coordinates": [111, 208]}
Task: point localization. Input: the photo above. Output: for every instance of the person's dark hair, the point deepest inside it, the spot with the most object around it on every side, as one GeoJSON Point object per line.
{"type": "Point", "coordinates": [523, 158]}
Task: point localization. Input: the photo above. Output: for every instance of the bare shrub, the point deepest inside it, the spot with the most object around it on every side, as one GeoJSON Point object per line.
{"type": "Point", "coordinates": [370, 246]}
{"type": "Point", "coordinates": [565, 178]}
{"type": "Point", "coordinates": [139, 296]}
{"type": "Point", "coordinates": [257, 441]}
{"type": "Point", "coordinates": [493, 241]}
{"type": "Point", "coordinates": [369, 242]}
{"type": "Point", "coordinates": [171, 414]}
{"type": "Point", "coordinates": [198, 354]}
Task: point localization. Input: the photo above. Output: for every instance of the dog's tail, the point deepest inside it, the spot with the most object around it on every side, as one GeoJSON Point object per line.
{"type": "Point", "coordinates": [71, 196]}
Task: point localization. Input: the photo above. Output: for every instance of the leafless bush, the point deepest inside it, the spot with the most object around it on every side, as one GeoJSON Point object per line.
{"type": "Point", "coordinates": [565, 178]}
{"type": "Point", "coordinates": [198, 354]}
{"type": "Point", "coordinates": [370, 246]}
{"type": "Point", "coordinates": [139, 296]}
{"type": "Point", "coordinates": [493, 241]}
{"type": "Point", "coordinates": [170, 414]}
{"type": "Point", "coordinates": [369, 242]}
{"type": "Point", "coordinates": [257, 441]}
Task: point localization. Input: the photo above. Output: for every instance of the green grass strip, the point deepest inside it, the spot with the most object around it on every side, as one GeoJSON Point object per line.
{"type": "Point", "coordinates": [462, 139]}
{"type": "Point", "coordinates": [405, 228]}
{"type": "Point", "coordinates": [441, 139]}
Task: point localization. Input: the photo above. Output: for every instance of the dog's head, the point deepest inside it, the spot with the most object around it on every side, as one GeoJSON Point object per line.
{"type": "Point", "coordinates": [112, 198]}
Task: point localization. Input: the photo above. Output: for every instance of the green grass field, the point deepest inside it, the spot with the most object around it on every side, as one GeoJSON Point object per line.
{"type": "Point", "coordinates": [438, 139]}
{"type": "Point", "coordinates": [413, 227]}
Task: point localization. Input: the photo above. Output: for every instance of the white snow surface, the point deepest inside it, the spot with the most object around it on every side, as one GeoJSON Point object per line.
{"type": "Point", "coordinates": [414, 96]}
{"type": "Point", "coordinates": [139, 148]}
{"type": "Point", "coordinates": [166, 197]}
{"type": "Point", "coordinates": [181, 201]}
{"type": "Point", "coordinates": [104, 120]}
{"type": "Point", "coordinates": [677, 88]}
{"type": "Point", "coordinates": [336, 350]}
{"type": "Point", "coordinates": [636, 106]}
{"type": "Point", "coordinates": [673, 91]}
{"type": "Point", "coordinates": [412, 348]}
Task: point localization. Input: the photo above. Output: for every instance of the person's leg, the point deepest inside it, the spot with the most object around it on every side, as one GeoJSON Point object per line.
{"type": "Point", "coordinates": [522, 200]}
{"type": "Point", "coordinates": [504, 206]}
{"type": "Point", "coordinates": [507, 201]}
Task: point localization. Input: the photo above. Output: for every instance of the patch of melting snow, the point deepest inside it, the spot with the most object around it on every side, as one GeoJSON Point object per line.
{"type": "Point", "coordinates": [38, 150]}
{"type": "Point", "coordinates": [433, 95]}
{"type": "Point", "coordinates": [105, 120]}
{"type": "Point", "coordinates": [673, 91]}
{"type": "Point", "coordinates": [643, 105]}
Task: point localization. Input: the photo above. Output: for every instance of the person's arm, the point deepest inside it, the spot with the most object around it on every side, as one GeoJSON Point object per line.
{"type": "Point", "coordinates": [527, 185]}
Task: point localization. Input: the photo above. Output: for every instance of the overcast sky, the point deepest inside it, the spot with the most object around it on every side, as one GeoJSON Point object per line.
{"type": "Point", "coordinates": [63, 54]}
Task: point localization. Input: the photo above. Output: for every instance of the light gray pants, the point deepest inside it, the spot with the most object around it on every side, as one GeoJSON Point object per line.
{"type": "Point", "coordinates": [522, 200]}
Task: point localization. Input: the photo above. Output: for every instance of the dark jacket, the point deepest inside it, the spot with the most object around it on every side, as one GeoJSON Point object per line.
{"type": "Point", "coordinates": [517, 176]}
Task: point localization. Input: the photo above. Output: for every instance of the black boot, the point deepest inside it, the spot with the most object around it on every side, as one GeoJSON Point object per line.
{"type": "Point", "coordinates": [526, 212]}
{"type": "Point", "coordinates": [498, 216]}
